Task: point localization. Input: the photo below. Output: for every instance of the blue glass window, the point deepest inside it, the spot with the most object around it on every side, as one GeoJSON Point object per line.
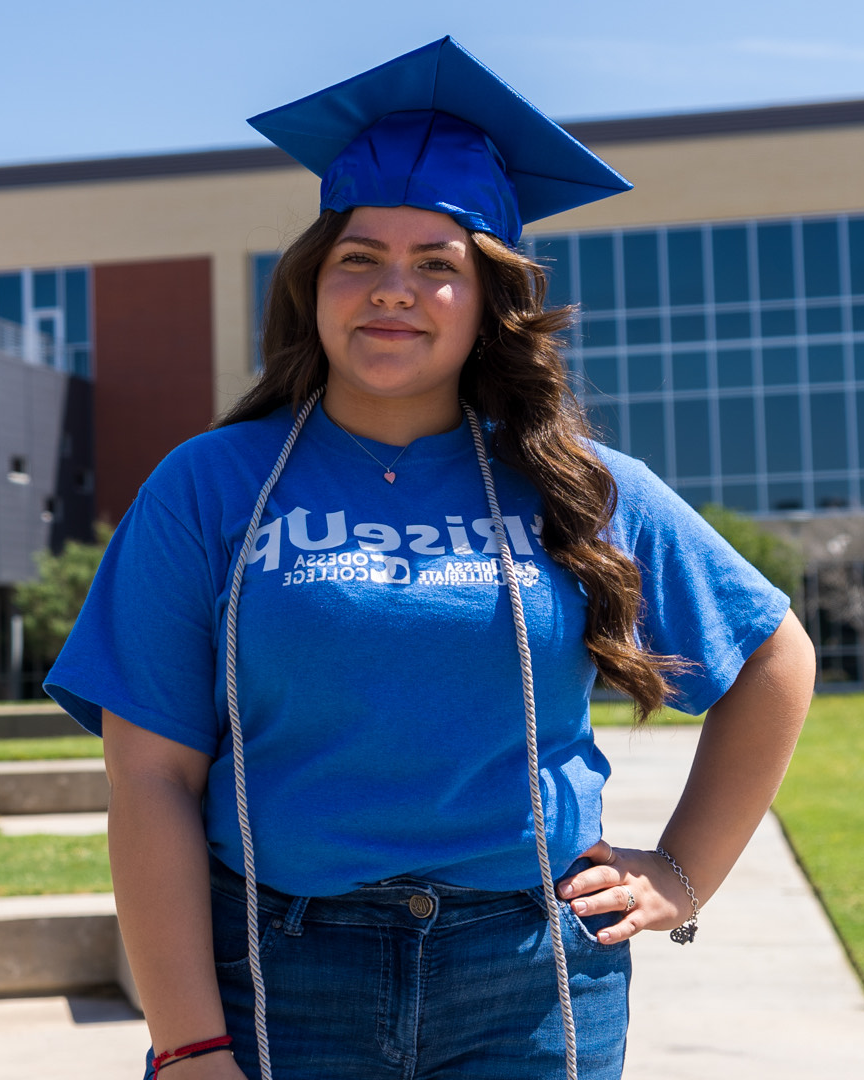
{"type": "Point", "coordinates": [686, 278]}
{"type": "Point", "coordinates": [605, 424]}
{"type": "Point", "coordinates": [601, 373]}
{"type": "Point", "coordinates": [647, 440]}
{"type": "Point", "coordinates": [697, 495]}
{"type": "Point", "coordinates": [731, 269]}
{"type": "Point", "coordinates": [825, 363]}
{"type": "Point", "coordinates": [858, 353]}
{"type": "Point", "coordinates": [830, 494]}
{"type": "Point", "coordinates": [859, 409]}
{"type": "Point", "coordinates": [741, 497]}
{"type": "Point", "coordinates": [778, 323]}
{"type": "Point", "coordinates": [596, 273]}
{"type": "Point", "coordinates": [821, 258]}
{"type": "Point", "coordinates": [858, 317]}
{"type": "Point", "coordinates": [11, 298]}
{"type": "Point", "coordinates": [828, 428]}
{"type": "Point", "coordinates": [732, 324]}
{"type": "Point", "coordinates": [780, 365]}
{"type": "Point", "coordinates": [734, 368]}
{"type": "Point", "coordinates": [45, 288]}
{"type": "Point", "coordinates": [644, 331]}
{"type": "Point", "coordinates": [785, 495]}
{"type": "Point", "coordinates": [856, 253]}
{"type": "Point", "coordinates": [776, 279]}
{"type": "Point", "coordinates": [79, 361]}
{"type": "Point", "coordinates": [690, 371]}
{"type": "Point", "coordinates": [827, 320]}
{"type": "Point", "coordinates": [644, 374]}
{"type": "Point", "coordinates": [554, 256]}
{"type": "Point", "coordinates": [783, 433]}
{"type": "Point", "coordinates": [692, 445]}
{"type": "Point", "coordinates": [263, 266]}
{"type": "Point", "coordinates": [737, 436]}
{"type": "Point", "coordinates": [641, 278]}
{"type": "Point", "coordinates": [688, 327]}
{"type": "Point", "coordinates": [599, 332]}
{"type": "Point", "coordinates": [77, 318]}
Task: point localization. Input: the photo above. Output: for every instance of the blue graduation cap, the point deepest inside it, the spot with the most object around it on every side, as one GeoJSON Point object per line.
{"type": "Point", "coordinates": [438, 130]}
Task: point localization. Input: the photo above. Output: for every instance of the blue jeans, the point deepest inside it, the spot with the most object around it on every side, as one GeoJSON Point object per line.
{"type": "Point", "coordinates": [412, 980]}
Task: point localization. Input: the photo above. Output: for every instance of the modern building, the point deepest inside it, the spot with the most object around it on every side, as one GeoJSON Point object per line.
{"type": "Point", "coordinates": [721, 335]}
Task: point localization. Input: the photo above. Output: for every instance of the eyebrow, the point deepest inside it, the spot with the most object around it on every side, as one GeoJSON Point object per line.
{"type": "Point", "coordinates": [379, 245]}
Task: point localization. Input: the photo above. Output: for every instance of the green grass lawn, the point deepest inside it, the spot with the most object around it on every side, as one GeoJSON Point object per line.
{"type": "Point", "coordinates": [620, 714]}
{"type": "Point", "coordinates": [58, 746]}
{"type": "Point", "coordinates": [821, 808]}
{"type": "Point", "coordinates": [36, 865]}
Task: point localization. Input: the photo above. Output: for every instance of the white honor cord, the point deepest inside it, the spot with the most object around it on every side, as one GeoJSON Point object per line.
{"type": "Point", "coordinates": [237, 740]}
{"type": "Point", "coordinates": [531, 741]}
{"type": "Point", "coordinates": [530, 726]}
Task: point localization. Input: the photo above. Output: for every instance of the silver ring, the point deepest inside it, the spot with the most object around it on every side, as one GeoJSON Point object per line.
{"type": "Point", "coordinates": [611, 854]}
{"type": "Point", "coordinates": [631, 901]}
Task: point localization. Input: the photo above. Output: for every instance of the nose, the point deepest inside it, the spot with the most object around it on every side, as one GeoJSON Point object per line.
{"type": "Point", "coordinates": [392, 288]}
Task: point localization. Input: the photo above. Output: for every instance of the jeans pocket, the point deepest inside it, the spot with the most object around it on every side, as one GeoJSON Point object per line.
{"type": "Point", "coordinates": [231, 935]}
{"type": "Point", "coordinates": [589, 926]}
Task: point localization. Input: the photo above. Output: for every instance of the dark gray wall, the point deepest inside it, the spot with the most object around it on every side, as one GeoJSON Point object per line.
{"type": "Point", "coordinates": [46, 422]}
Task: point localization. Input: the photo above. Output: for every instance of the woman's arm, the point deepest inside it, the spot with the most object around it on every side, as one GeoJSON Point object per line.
{"type": "Point", "coordinates": [161, 877]}
{"type": "Point", "coordinates": [746, 743]}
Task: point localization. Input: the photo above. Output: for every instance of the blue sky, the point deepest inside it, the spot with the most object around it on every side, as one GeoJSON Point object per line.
{"type": "Point", "coordinates": [97, 78]}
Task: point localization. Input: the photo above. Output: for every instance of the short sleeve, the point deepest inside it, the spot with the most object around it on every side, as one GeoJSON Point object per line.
{"type": "Point", "coordinates": [701, 600]}
{"type": "Point", "coordinates": [143, 646]}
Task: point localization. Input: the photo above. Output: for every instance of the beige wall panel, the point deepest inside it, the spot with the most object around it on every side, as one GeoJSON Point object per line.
{"type": "Point", "coordinates": [225, 216]}
{"type": "Point", "coordinates": [727, 177]}
{"type": "Point", "coordinates": [157, 218]}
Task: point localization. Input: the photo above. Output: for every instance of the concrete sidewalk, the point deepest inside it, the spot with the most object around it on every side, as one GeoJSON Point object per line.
{"type": "Point", "coordinates": [764, 993]}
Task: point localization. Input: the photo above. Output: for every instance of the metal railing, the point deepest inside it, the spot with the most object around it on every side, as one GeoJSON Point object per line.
{"type": "Point", "coordinates": [28, 345]}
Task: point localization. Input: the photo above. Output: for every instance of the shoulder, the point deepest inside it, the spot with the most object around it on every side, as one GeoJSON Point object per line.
{"type": "Point", "coordinates": [640, 494]}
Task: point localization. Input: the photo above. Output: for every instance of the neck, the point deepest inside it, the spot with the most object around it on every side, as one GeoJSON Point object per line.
{"type": "Point", "coordinates": [396, 423]}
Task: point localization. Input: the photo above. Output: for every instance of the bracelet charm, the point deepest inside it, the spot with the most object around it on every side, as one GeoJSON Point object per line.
{"type": "Point", "coordinates": [684, 933]}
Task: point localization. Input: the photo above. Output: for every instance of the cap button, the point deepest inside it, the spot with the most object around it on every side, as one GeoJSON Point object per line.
{"type": "Point", "coordinates": [420, 906]}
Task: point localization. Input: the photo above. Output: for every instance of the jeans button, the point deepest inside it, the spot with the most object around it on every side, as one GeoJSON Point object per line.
{"type": "Point", "coordinates": [421, 906]}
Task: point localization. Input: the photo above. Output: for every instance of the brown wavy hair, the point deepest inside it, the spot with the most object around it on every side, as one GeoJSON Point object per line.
{"type": "Point", "coordinates": [517, 380]}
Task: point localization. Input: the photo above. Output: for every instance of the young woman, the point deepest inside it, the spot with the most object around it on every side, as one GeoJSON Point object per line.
{"type": "Point", "coordinates": [438, 561]}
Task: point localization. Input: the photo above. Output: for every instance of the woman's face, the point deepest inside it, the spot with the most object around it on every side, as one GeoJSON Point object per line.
{"type": "Point", "coordinates": [399, 305]}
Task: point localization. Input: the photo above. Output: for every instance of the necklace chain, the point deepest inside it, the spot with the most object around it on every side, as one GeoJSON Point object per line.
{"type": "Point", "coordinates": [389, 475]}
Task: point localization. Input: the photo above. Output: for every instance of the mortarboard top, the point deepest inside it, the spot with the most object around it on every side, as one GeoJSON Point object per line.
{"type": "Point", "coordinates": [453, 168]}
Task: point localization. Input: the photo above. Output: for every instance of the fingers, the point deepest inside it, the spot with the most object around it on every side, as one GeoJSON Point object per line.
{"type": "Point", "coordinates": [632, 882]}
{"type": "Point", "coordinates": [602, 855]}
{"type": "Point", "coordinates": [601, 852]}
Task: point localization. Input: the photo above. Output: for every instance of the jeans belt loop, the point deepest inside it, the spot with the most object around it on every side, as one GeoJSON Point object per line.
{"type": "Point", "coordinates": [293, 922]}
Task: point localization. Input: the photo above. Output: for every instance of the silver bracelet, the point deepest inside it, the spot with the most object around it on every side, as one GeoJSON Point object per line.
{"type": "Point", "coordinates": [687, 931]}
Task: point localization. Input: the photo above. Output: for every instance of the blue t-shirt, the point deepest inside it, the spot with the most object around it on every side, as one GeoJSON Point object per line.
{"type": "Point", "coordinates": [380, 690]}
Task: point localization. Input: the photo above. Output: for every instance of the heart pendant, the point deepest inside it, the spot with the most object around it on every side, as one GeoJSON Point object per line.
{"type": "Point", "coordinates": [389, 477]}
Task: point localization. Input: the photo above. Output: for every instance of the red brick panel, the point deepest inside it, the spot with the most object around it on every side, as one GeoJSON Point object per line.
{"type": "Point", "coordinates": [153, 369]}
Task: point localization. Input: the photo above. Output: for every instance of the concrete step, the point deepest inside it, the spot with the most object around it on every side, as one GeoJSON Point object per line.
{"type": "Point", "coordinates": [53, 787]}
{"type": "Point", "coordinates": [88, 824]}
{"type": "Point", "coordinates": [35, 720]}
{"type": "Point", "coordinates": [58, 943]}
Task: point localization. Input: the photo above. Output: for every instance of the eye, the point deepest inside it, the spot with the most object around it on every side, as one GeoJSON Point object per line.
{"type": "Point", "coordinates": [358, 258]}
{"type": "Point", "coordinates": [440, 265]}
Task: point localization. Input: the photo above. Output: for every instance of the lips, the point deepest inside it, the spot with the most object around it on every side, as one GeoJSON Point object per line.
{"type": "Point", "coordinates": [390, 330]}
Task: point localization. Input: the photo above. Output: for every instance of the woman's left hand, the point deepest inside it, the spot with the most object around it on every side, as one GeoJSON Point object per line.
{"type": "Point", "coordinates": [639, 884]}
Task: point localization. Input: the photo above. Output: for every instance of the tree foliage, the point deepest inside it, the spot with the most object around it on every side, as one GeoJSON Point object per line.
{"type": "Point", "coordinates": [50, 604]}
{"type": "Point", "coordinates": [781, 561]}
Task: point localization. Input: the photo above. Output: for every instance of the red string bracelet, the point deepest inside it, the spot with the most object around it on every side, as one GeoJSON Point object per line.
{"type": "Point", "coordinates": [209, 1046]}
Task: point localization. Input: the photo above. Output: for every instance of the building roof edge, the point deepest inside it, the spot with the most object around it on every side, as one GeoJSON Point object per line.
{"type": "Point", "coordinates": [592, 132]}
